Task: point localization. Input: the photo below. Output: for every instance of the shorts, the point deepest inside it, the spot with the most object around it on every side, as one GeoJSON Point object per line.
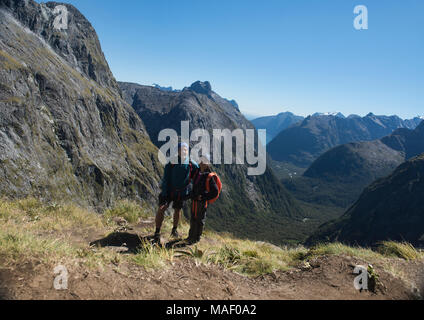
{"type": "Point", "coordinates": [177, 204]}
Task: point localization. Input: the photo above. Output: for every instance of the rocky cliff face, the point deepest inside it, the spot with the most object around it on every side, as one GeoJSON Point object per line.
{"type": "Point", "coordinates": [198, 104]}
{"type": "Point", "coordinates": [65, 131]}
{"type": "Point", "coordinates": [78, 45]}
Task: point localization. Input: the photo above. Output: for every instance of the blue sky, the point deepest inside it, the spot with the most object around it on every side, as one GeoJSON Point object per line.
{"type": "Point", "coordinates": [273, 55]}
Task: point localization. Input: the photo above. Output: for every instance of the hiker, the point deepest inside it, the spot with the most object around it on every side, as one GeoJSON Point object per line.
{"type": "Point", "coordinates": [176, 188]}
{"type": "Point", "coordinates": [205, 190]}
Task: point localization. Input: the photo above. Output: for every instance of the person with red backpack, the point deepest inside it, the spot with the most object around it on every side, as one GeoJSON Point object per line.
{"type": "Point", "coordinates": [206, 189]}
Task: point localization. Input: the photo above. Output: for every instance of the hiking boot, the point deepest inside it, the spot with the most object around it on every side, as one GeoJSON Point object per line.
{"type": "Point", "coordinates": [175, 234]}
{"type": "Point", "coordinates": [189, 241]}
{"type": "Point", "coordinates": [156, 238]}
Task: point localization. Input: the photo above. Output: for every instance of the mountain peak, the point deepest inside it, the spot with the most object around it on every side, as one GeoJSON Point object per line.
{"type": "Point", "coordinates": [286, 113]}
{"type": "Point", "coordinates": [201, 87]}
{"type": "Point", "coordinates": [167, 89]}
{"type": "Point", "coordinates": [334, 114]}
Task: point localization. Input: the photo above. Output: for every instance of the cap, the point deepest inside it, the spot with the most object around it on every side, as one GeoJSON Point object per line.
{"type": "Point", "coordinates": [206, 159]}
{"type": "Point", "coordinates": [182, 145]}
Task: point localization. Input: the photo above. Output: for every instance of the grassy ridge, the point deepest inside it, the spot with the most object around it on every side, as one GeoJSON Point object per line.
{"type": "Point", "coordinates": [52, 234]}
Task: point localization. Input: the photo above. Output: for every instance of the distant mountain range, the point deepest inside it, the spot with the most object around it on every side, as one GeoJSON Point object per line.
{"type": "Point", "coordinates": [305, 141]}
{"type": "Point", "coordinates": [335, 114]}
{"type": "Point", "coordinates": [275, 124]}
{"type": "Point", "coordinates": [339, 176]}
{"type": "Point", "coordinates": [170, 89]}
{"type": "Point", "coordinates": [392, 208]}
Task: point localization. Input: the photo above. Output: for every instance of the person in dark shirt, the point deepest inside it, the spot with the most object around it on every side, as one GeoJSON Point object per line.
{"type": "Point", "coordinates": [176, 189]}
{"type": "Point", "coordinates": [200, 198]}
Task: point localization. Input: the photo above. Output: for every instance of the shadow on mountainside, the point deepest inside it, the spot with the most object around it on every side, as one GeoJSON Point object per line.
{"type": "Point", "coordinates": [133, 243]}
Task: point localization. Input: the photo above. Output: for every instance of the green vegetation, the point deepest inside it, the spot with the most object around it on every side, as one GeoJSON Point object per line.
{"type": "Point", "coordinates": [32, 231]}
{"type": "Point", "coordinates": [153, 257]}
{"type": "Point", "coordinates": [129, 210]}
{"type": "Point", "coordinates": [320, 192]}
{"type": "Point", "coordinates": [389, 208]}
{"type": "Point", "coordinates": [374, 278]}
{"type": "Point", "coordinates": [286, 170]}
{"type": "Point", "coordinates": [56, 233]}
{"type": "Point", "coordinates": [248, 257]}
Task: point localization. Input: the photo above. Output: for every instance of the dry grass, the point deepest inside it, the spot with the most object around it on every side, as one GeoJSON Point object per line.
{"type": "Point", "coordinates": [129, 210]}
{"type": "Point", "coordinates": [247, 257]}
{"type": "Point", "coordinates": [54, 233]}
{"type": "Point", "coordinates": [153, 257]}
{"type": "Point", "coordinates": [339, 249]}
{"type": "Point", "coordinates": [401, 250]}
{"type": "Point", "coordinates": [32, 231]}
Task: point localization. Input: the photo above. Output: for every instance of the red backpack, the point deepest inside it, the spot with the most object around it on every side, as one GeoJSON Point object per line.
{"type": "Point", "coordinates": [214, 176]}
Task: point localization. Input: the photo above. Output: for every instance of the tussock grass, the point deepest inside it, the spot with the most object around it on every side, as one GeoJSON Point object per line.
{"type": "Point", "coordinates": [129, 210]}
{"type": "Point", "coordinates": [337, 248]}
{"type": "Point", "coordinates": [53, 217]}
{"type": "Point", "coordinates": [401, 250]}
{"type": "Point", "coordinates": [251, 258]}
{"type": "Point", "coordinates": [16, 245]}
{"type": "Point", "coordinates": [153, 257]}
{"type": "Point", "coordinates": [33, 231]}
